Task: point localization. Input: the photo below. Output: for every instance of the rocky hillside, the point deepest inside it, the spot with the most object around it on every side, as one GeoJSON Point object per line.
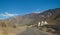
{"type": "Point", "coordinates": [52, 16]}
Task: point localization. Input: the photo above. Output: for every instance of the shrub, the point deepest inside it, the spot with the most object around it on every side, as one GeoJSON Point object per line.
{"type": "Point", "coordinates": [14, 26]}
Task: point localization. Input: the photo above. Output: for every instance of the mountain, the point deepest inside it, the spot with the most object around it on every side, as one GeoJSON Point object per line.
{"type": "Point", "coordinates": [52, 16]}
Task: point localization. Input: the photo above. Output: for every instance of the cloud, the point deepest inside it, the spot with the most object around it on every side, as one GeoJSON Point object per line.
{"type": "Point", "coordinates": [6, 14]}
{"type": "Point", "coordinates": [36, 11]}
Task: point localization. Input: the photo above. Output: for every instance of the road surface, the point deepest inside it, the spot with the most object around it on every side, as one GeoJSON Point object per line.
{"type": "Point", "coordinates": [32, 31]}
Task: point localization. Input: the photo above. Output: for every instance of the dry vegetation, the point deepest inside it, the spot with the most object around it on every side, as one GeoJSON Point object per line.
{"type": "Point", "coordinates": [10, 30]}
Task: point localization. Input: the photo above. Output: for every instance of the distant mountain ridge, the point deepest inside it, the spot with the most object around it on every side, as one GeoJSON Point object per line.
{"type": "Point", "coordinates": [50, 16]}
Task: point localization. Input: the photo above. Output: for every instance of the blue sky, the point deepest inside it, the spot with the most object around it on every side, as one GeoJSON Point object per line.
{"type": "Point", "coordinates": [10, 8]}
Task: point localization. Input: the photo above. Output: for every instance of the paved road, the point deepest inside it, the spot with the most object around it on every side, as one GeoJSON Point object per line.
{"type": "Point", "coordinates": [32, 31]}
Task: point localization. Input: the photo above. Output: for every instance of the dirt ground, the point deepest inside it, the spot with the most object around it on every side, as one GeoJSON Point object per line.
{"type": "Point", "coordinates": [11, 31]}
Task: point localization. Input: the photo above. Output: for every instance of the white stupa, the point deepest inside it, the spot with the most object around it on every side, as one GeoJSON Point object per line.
{"type": "Point", "coordinates": [39, 23]}
{"type": "Point", "coordinates": [42, 23]}
{"type": "Point", "coordinates": [45, 23]}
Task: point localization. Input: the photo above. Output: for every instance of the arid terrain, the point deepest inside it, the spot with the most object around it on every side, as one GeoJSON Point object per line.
{"type": "Point", "coordinates": [27, 24]}
{"type": "Point", "coordinates": [12, 31]}
{"type": "Point", "coordinates": [22, 30]}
